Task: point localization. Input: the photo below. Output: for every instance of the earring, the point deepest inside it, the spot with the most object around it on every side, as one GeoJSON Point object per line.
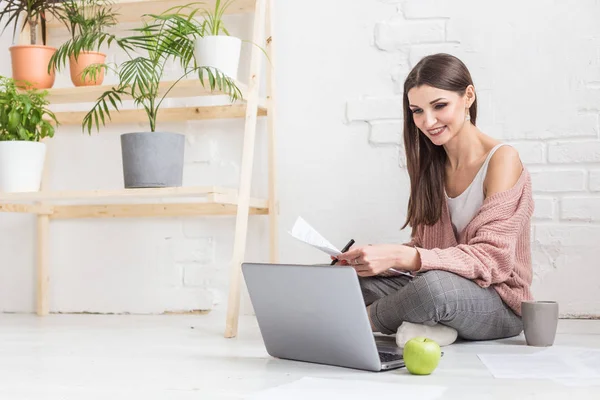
{"type": "Point", "coordinates": [467, 116]}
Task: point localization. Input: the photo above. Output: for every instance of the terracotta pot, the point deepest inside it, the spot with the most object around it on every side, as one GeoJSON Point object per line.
{"type": "Point", "coordinates": [84, 60]}
{"type": "Point", "coordinates": [30, 66]}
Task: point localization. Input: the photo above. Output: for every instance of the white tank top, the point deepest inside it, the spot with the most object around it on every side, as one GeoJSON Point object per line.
{"type": "Point", "coordinates": [466, 205]}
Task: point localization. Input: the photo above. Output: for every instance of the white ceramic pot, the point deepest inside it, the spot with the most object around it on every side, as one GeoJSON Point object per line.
{"type": "Point", "coordinates": [21, 166]}
{"type": "Point", "coordinates": [221, 52]}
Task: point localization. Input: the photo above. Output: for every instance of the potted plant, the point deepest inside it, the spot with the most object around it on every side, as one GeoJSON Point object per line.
{"type": "Point", "coordinates": [86, 21]}
{"type": "Point", "coordinates": [30, 62]}
{"type": "Point", "coordinates": [214, 46]}
{"type": "Point", "coordinates": [24, 121]}
{"type": "Point", "coordinates": [155, 158]}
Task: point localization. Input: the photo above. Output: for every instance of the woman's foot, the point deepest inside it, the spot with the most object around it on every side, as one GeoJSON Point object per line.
{"type": "Point", "coordinates": [441, 334]}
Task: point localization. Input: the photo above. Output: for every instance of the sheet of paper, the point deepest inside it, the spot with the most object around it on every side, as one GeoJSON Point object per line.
{"type": "Point", "coordinates": [589, 357]}
{"type": "Point", "coordinates": [307, 234]}
{"type": "Point", "coordinates": [398, 272]}
{"type": "Point", "coordinates": [321, 388]}
{"type": "Point", "coordinates": [579, 382]}
{"type": "Point", "coordinates": [556, 363]}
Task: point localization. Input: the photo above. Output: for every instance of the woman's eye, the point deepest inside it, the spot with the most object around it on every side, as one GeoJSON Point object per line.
{"type": "Point", "coordinates": [416, 111]}
{"type": "Point", "coordinates": [439, 106]}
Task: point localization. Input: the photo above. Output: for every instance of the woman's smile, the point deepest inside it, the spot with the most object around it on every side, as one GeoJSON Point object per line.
{"type": "Point", "coordinates": [436, 131]}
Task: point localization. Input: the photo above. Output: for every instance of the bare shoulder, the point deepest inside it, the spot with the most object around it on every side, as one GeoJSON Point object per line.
{"type": "Point", "coordinates": [504, 170]}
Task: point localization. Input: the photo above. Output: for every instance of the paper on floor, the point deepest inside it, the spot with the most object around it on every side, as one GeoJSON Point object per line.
{"type": "Point", "coordinates": [590, 358]}
{"type": "Point", "coordinates": [587, 356]}
{"type": "Point", "coordinates": [557, 363]}
{"type": "Point", "coordinates": [320, 388]}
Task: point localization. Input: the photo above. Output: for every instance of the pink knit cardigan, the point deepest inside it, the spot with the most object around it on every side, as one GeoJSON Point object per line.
{"type": "Point", "coordinates": [492, 250]}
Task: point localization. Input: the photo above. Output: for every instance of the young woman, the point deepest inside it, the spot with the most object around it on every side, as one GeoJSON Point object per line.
{"type": "Point", "coordinates": [470, 210]}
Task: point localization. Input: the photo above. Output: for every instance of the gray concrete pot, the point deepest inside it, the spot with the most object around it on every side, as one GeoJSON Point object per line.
{"type": "Point", "coordinates": [152, 159]}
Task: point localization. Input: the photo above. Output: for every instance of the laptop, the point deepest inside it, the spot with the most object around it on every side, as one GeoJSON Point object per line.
{"type": "Point", "coordinates": [316, 314]}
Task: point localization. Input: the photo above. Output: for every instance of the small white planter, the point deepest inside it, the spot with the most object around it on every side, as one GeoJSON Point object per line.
{"type": "Point", "coordinates": [221, 52]}
{"type": "Point", "coordinates": [21, 166]}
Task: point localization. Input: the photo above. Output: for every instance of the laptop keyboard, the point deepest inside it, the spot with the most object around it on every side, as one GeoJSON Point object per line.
{"type": "Point", "coordinates": [387, 357]}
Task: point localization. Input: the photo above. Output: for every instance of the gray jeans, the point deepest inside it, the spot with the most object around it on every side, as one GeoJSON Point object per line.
{"type": "Point", "coordinates": [439, 297]}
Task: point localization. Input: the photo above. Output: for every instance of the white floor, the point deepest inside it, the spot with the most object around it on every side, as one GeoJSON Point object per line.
{"type": "Point", "coordinates": [186, 357]}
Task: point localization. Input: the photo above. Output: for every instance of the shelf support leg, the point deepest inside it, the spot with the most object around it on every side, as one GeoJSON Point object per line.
{"type": "Point", "coordinates": [271, 115]}
{"type": "Point", "coordinates": [241, 222]}
{"type": "Point", "coordinates": [43, 236]}
{"type": "Point", "coordinates": [43, 228]}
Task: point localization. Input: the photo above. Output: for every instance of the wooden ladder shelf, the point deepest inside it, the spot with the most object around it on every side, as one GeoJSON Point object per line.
{"type": "Point", "coordinates": [200, 201]}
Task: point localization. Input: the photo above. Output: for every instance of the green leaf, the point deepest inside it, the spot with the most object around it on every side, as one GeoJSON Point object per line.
{"type": "Point", "coordinates": [14, 118]}
{"type": "Point", "coordinates": [22, 133]}
{"type": "Point", "coordinates": [211, 79]}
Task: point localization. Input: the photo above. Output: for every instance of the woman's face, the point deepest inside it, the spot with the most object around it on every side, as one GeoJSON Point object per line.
{"type": "Point", "coordinates": [439, 114]}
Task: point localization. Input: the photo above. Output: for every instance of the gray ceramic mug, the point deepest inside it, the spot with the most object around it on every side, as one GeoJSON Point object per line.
{"type": "Point", "coordinates": [540, 320]}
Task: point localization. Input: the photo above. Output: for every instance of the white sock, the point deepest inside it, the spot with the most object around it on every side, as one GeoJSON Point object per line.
{"type": "Point", "coordinates": [442, 334]}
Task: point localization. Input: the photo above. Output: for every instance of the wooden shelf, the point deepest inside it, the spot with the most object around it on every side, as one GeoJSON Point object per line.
{"type": "Point", "coordinates": [164, 114]}
{"type": "Point", "coordinates": [215, 201]}
{"type": "Point", "coordinates": [184, 88]}
{"type": "Point", "coordinates": [182, 201]}
{"type": "Point", "coordinates": [131, 10]}
{"type": "Point", "coordinates": [70, 195]}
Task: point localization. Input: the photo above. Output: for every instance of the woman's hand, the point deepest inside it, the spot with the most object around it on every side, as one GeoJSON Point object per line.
{"type": "Point", "coordinates": [376, 259]}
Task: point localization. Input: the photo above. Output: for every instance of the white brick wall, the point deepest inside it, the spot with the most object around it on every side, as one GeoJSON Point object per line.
{"type": "Point", "coordinates": [574, 152]}
{"type": "Point", "coordinates": [198, 250]}
{"type": "Point", "coordinates": [374, 108]}
{"type": "Point", "coordinates": [595, 180]}
{"type": "Point", "coordinates": [558, 180]}
{"type": "Point", "coordinates": [580, 209]}
{"type": "Point", "coordinates": [340, 153]}
{"type": "Point", "coordinates": [384, 133]}
{"type": "Point", "coordinates": [544, 208]}
{"type": "Point", "coordinates": [531, 152]}
{"type": "Point", "coordinates": [398, 33]}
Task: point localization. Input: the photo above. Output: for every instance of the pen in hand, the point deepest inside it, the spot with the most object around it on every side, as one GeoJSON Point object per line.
{"type": "Point", "coordinates": [345, 249]}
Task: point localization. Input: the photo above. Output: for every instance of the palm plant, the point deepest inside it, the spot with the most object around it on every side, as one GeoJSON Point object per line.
{"type": "Point", "coordinates": [169, 36]}
{"type": "Point", "coordinates": [213, 19]}
{"type": "Point", "coordinates": [86, 21]}
{"type": "Point", "coordinates": [36, 12]}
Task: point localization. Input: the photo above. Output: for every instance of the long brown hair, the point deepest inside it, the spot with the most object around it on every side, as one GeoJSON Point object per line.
{"type": "Point", "coordinates": [426, 161]}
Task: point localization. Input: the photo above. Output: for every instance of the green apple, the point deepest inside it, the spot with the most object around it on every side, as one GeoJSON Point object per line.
{"type": "Point", "coordinates": [421, 355]}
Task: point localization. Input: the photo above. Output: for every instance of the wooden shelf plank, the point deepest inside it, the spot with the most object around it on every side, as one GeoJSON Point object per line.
{"type": "Point", "coordinates": [164, 114]}
{"type": "Point", "coordinates": [25, 208]}
{"type": "Point", "coordinates": [215, 201]}
{"type": "Point", "coordinates": [13, 202]}
{"type": "Point", "coordinates": [148, 193]}
{"type": "Point", "coordinates": [132, 10]}
{"type": "Point", "coordinates": [148, 210]}
{"type": "Point", "coordinates": [87, 94]}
